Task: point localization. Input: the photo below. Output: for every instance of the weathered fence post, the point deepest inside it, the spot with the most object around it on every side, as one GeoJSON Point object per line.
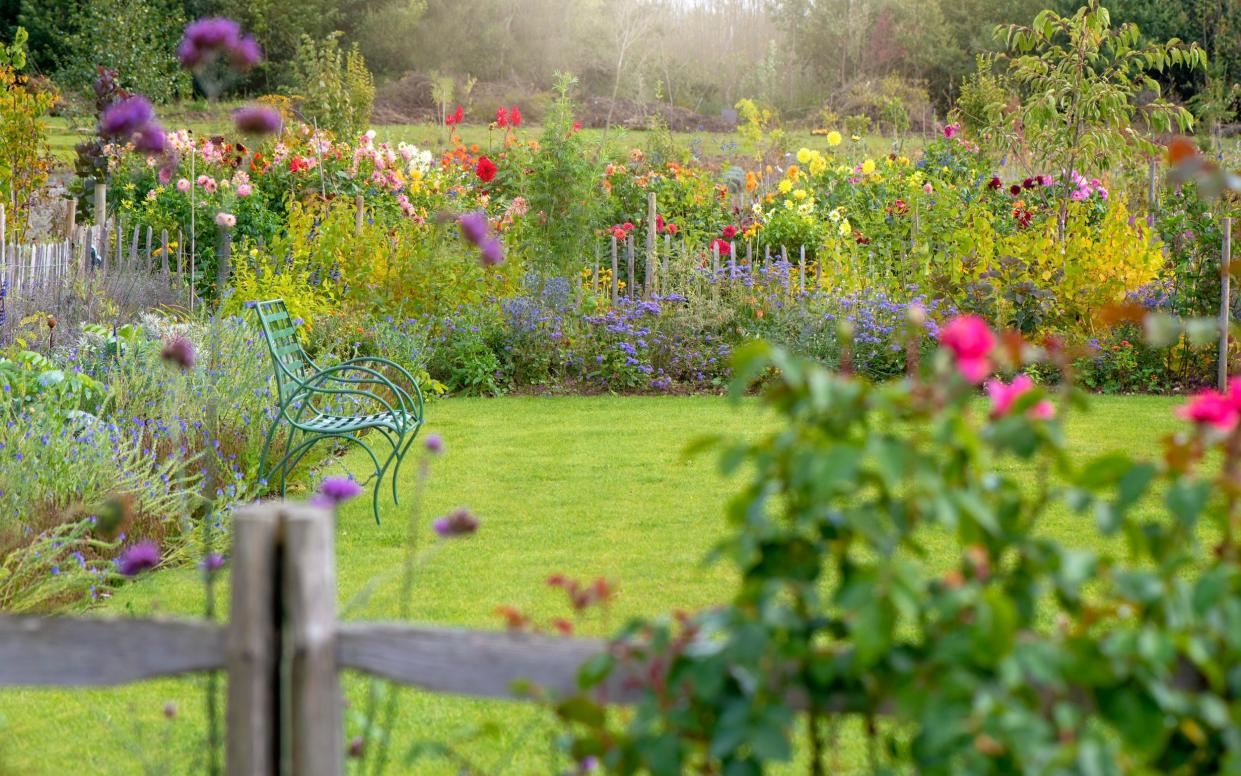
{"type": "Point", "coordinates": [253, 739]}
{"type": "Point", "coordinates": [629, 255]}
{"type": "Point", "coordinates": [615, 271]}
{"type": "Point", "coordinates": [101, 219]}
{"type": "Point", "coordinates": [651, 269]}
{"type": "Point", "coordinates": [1224, 303]}
{"type": "Point", "coordinates": [359, 210]}
{"type": "Point", "coordinates": [309, 599]}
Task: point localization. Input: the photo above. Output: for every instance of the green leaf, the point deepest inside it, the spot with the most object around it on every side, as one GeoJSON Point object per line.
{"type": "Point", "coordinates": [1186, 499]}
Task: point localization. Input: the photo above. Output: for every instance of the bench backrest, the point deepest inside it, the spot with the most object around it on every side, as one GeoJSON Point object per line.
{"type": "Point", "coordinates": [289, 360]}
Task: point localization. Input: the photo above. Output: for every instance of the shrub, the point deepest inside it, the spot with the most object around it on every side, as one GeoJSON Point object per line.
{"type": "Point", "coordinates": [1018, 654]}
{"type": "Point", "coordinates": [136, 38]}
{"type": "Point", "coordinates": [334, 87]}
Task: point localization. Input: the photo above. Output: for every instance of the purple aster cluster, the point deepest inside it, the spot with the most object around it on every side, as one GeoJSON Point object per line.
{"type": "Point", "coordinates": [217, 37]}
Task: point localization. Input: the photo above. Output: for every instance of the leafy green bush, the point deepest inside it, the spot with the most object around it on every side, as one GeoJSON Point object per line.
{"type": "Point", "coordinates": [137, 38]}
{"type": "Point", "coordinates": [1021, 654]}
{"type": "Point", "coordinates": [334, 87]}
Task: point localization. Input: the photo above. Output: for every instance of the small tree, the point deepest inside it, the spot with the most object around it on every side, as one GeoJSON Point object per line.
{"type": "Point", "coordinates": [1083, 82]}
{"type": "Point", "coordinates": [24, 153]}
{"type": "Point", "coordinates": [337, 90]}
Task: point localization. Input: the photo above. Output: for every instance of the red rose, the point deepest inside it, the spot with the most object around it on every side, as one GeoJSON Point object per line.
{"type": "Point", "coordinates": [486, 169]}
{"type": "Point", "coordinates": [514, 116]}
{"type": "Point", "coordinates": [627, 226]}
{"type": "Point", "coordinates": [723, 247]}
{"type": "Point", "coordinates": [672, 228]}
{"type": "Point", "coordinates": [730, 232]}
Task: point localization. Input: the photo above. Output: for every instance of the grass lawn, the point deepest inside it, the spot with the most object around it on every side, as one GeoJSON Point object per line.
{"type": "Point", "coordinates": [584, 486]}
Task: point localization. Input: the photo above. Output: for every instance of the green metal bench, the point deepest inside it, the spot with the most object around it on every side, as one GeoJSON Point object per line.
{"type": "Point", "coordinates": [338, 403]}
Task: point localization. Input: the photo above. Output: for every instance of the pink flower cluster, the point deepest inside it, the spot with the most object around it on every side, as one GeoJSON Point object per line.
{"type": "Point", "coordinates": [1003, 396]}
{"type": "Point", "coordinates": [971, 343]}
{"type": "Point", "coordinates": [1219, 411]}
{"type": "Point", "coordinates": [1082, 188]}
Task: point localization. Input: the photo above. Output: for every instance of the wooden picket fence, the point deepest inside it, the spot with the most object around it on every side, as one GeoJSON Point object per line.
{"type": "Point", "coordinates": [101, 249]}
{"type": "Point", "coordinates": [283, 650]}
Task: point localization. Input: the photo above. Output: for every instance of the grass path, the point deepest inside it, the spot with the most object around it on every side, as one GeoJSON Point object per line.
{"type": "Point", "coordinates": [584, 486]}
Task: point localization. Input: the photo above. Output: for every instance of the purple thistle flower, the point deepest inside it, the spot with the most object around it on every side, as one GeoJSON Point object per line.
{"type": "Point", "coordinates": [245, 54]}
{"type": "Point", "coordinates": [126, 117]}
{"type": "Point", "coordinates": [257, 120]}
{"type": "Point", "coordinates": [138, 558]}
{"type": "Point", "coordinates": [493, 252]}
{"type": "Point", "coordinates": [180, 351]}
{"type": "Point", "coordinates": [151, 139]}
{"type": "Point", "coordinates": [474, 226]}
{"type": "Point", "coordinates": [217, 35]}
{"type": "Point", "coordinates": [434, 444]}
{"type": "Point", "coordinates": [336, 490]}
{"type": "Point", "coordinates": [212, 563]}
{"type": "Point", "coordinates": [459, 522]}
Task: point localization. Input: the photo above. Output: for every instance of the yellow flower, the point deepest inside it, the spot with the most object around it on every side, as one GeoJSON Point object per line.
{"type": "Point", "coordinates": [818, 165]}
{"type": "Point", "coordinates": [833, 138]}
{"type": "Point", "coordinates": [846, 228]}
{"type": "Point", "coordinates": [803, 156]}
{"type": "Point", "coordinates": [799, 194]}
{"type": "Point", "coordinates": [868, 166]}
{"type": "Point", "coordinates": [785, 186]}
{"type": "Point", "coordinates": [788, 204]}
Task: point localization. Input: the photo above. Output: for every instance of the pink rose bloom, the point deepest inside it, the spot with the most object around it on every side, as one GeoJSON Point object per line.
{"type": "Point", "coordinates": [226, 220]}
{"type": "Point", "coordinates": [183, 185]}
{"type": "Point", "coordinates": [209, 186]}
{"type": "Point", "coordinates": [1003, 396]}
{"type": "Point", "coordinates": [951, 130]}
{"type": "Point", "coordinates": [202, 180]}
{"type": "Point", "coordinates": [928, 188]}
{"type": "Point", "coordinates": [165, 175]}
{"type": "Point", "coordinates": [1212, 408]}
{"type": "Point", "coordinates": [1079, 194]}
{"type": "Point", "coordinates": [244, 190]}
{"type": "Point", "coordinates": [971, 342]}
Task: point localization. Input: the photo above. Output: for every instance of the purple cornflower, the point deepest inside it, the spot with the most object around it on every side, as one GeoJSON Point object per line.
{"type": "Point", "coordinates": [126, 117]}
{"type": "Point", "coordinates": [434, 444]}
{"type": "Point", "coordinates": [336, 490]}
{"type": "Point", "coordinates": [257, 120]}
{"type": "Point", "coordinates": [474, 226]}
{"type": "Point", "coordinates": [180, 351]}
{"type": "Point", "coordinates": [138, 558]}
{"type": "Point", "coordinates": [459, 522]}
{"type": "Point", "coordinates": [493, 252]}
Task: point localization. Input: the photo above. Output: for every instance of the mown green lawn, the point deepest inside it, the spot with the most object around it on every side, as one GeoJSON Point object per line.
{"type": "Point", "coordinates": [583, 486]}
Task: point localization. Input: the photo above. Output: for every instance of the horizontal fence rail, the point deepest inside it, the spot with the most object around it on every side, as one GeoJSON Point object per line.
{"type": "Point", "coordinates": [283, 650]}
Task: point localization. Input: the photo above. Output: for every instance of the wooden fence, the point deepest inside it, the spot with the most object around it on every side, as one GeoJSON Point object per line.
{"type": "Point", "coordinates": [283, 649]}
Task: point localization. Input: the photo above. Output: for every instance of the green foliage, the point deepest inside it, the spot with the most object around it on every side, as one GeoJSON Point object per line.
{"type": "Point", "coordinates": [559, 187]}
{"type": "Point", "coordinates": [334, 87]}
{"type": "Point", "coordinates": [24, 154]}
{"type": "Point", "coordinates": [1080, 80]}
{"type": "Point", "coordinates": [981, 104]}
{"type": "Point", "coordinates": [1009, 653]}
{"type": "Point", "coordinates": [137, 38]}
